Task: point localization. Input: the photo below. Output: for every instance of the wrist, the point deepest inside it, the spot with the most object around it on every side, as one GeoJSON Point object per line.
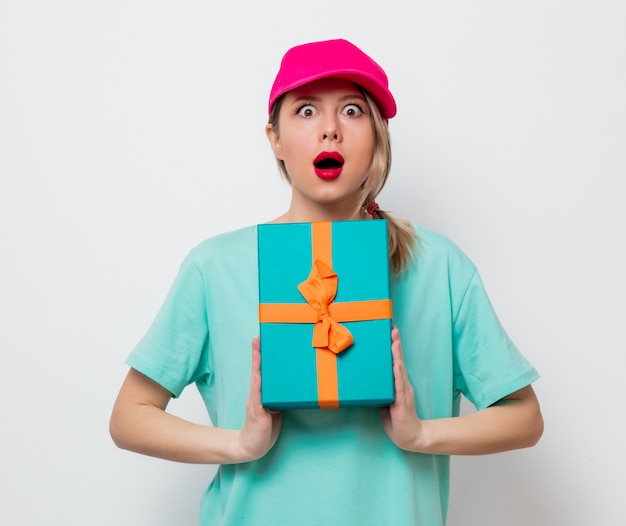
{"type": "Point", "coordinates": [226, 448]}
{"type": "Point", "coordinates": [422, 440]}
{"type": "Point", "coordinates": [238, 451]}
{"type": "Point", "coordinates": [241, 450]}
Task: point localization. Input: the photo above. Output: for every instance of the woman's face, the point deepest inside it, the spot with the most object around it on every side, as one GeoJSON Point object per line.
{"type": "Point", "coordinates": [326, 140]}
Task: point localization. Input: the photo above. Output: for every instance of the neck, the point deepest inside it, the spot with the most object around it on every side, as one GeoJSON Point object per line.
{"type": "Point", "coordinates": [320, 212]}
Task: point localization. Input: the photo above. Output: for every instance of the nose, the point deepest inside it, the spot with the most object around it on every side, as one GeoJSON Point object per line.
{"type": "Point", "coordinates": [331, 129]}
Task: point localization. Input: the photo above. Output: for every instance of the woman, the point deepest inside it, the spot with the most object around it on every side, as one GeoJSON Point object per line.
{"type": "Point", "coordinates": [329, 108]}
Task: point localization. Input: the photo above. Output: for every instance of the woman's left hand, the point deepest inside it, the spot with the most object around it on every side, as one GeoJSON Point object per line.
{"type": "Point", "coordinates": [511, 423]}
{"type": "Point", "coordinates": [400, 419]}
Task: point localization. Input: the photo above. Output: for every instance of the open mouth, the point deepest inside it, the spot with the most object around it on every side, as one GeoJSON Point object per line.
{"type": "Point", "coordinates": [328, 165]}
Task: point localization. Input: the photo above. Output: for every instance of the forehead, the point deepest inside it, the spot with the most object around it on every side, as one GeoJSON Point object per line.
{"type": "Point", "coordinates": [321, 87]}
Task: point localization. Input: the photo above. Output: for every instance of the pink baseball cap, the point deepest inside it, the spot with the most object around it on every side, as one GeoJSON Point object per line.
{"type": "Point", "coordinates": [333, 59]}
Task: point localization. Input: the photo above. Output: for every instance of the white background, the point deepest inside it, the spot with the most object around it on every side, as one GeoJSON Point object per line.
{"type": "Point", "coordinates": [131, 130]}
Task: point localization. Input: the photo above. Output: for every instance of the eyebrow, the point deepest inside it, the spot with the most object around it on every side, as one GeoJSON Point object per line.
{"type": "Point", "coordinates": [315, 98]}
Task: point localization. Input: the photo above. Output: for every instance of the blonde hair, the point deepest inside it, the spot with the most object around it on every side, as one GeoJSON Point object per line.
{"type": "Point", "coordinates": [402, 235]}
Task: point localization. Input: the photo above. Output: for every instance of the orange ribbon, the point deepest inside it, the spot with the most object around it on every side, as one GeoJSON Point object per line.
{"type": "Point", "coordinates": [329, 336]}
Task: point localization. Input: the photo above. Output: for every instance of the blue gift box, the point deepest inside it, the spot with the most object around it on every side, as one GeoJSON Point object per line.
{"type": "Point", "coordinates": [349, 364]}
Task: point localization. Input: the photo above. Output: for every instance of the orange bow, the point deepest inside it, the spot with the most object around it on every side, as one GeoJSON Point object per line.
{"type": "Point", "coordinates": [319, 291]}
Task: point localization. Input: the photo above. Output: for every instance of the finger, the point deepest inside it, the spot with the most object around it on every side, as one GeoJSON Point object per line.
{"type": "Point", "coordinates": [256, 361]}
{"type": "Point", "coordinates": [255, 375]}
{"type": "Point", "coordinates": [398, 357]}
{"type": "Point", "coordinates": [256, 348]}
{"type": "Point", "coordinates": [404, 391]}
{"type": "Point", "coordinates": [399, 371]}
{"type": "Point", "coordinates": [396, 345]}
{"type": "Point", "coordinates": [400, 385]}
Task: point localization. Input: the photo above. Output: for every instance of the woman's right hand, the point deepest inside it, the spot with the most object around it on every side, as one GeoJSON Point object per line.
{"type": "Point", "coordinates": [261, 427]}
{"type": "Point", "coordinates": [140, 423]}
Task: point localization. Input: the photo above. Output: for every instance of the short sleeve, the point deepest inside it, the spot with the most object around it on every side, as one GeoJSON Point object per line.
{"type": "Point", "coordinates": [488, 366]}
{"type": "Point", "coordinates": [173, 351]}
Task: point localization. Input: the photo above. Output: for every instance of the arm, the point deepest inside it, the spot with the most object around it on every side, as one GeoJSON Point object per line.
{"type": "Point", "coordinates": [512, 423]}
{"type": "Point", "coordinates": [140, 423]}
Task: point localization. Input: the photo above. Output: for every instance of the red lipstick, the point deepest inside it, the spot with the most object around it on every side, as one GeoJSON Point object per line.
{"type": "Point", "coordinates": [328, 165]}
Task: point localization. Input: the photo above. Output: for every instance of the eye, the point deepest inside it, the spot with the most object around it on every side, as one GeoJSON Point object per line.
{"type": "Point", "coordinates": [353, 110]}
{"type": "Point", "coordinates": [306, 110]}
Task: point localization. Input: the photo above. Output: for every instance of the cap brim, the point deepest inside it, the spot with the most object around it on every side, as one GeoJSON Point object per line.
{"type": "Point", "coordinates": [383, 97]}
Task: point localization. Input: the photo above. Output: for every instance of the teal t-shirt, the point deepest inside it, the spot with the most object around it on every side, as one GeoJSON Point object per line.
{"type": "Point", "coordinates": [336, 467]}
